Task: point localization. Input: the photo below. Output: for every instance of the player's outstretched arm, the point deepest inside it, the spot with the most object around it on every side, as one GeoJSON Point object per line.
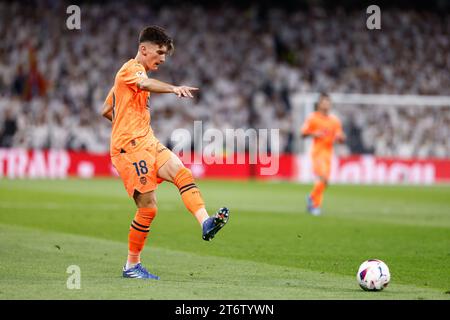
{"type": "Point", "coordinates": [156, 86]}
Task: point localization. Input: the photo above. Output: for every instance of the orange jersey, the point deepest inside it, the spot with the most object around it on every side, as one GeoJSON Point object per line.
{"type": "Point", "coordinates": [330, 126]}
{"type": "Point", "coordinates": [131, 115]}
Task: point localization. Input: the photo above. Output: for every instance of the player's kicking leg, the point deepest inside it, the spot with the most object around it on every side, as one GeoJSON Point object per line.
{"type": "Point", "coordinates": [139, 229]}
{"type": "Point", "coordinates": [174, 171]}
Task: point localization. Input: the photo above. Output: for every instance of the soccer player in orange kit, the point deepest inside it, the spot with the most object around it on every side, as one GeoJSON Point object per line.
{"type": "Point", "coordinates": [140, 159]}
{"type": "Point", "coordinates": [325, 129]}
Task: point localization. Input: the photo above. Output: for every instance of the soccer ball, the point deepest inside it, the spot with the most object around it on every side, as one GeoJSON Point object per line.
{"type": "Point", "coordinates": [373, 275]}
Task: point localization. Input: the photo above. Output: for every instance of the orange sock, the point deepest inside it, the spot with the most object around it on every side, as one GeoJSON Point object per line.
{"type": "Point", "coordinates": [317, 193]}
{"type": "Point", "coordinates": [139, 230]}
{"type": "Point", "coordinates": [190, 193]}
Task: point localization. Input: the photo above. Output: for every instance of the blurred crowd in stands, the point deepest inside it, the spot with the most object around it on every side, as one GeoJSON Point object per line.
{"type": "Point", "coordinates": [247, 62]}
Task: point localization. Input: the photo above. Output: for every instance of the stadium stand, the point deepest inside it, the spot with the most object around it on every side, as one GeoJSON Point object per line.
{"type": "Point", "coordinates": [247, 62]}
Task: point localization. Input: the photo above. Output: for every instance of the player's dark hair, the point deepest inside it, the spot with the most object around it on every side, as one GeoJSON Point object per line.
{"type": "Point", "coordinates": [322, 95]}
{"type": "Point", "coordinates": [156, 35]}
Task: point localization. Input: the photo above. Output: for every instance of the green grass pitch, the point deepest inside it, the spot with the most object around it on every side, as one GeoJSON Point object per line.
{"type": "Point", "coordinates": [270, 249]}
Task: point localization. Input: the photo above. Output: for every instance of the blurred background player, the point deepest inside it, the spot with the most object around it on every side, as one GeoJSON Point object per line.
{"type": "Point", "coordinates": [325, 129]}
{"type": "Point", "coordinates": [140, 159]}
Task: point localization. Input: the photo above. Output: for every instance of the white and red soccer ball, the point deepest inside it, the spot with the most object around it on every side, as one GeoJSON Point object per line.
{"type": "Point", "coordinates": [373, 275]}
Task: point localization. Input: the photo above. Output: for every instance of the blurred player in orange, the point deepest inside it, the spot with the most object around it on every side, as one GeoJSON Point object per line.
{"type": "Point", "coordinates": [325, 129]}
{"type": "Point", "coordinates": [140, 159]}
